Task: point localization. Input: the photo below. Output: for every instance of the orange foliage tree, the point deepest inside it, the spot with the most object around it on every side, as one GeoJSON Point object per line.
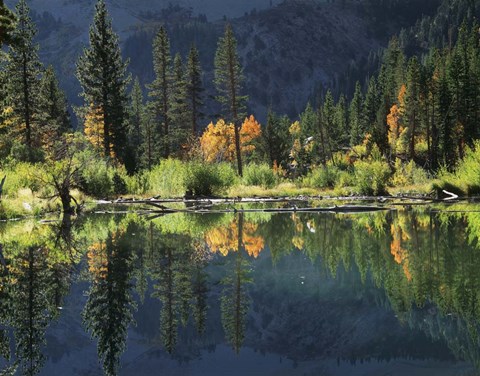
{"type": "Point", "coordinates": [394, 119]}
{"type": "Point", "coordinates": [218, 141]}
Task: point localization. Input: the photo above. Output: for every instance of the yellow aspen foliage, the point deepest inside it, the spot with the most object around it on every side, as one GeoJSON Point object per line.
{"type": "Point", "coordinates": [250, 131]}
{"type": "Point", "coordinates": [295, 129]}
{"type": "Point", "coordinates": [218, 141]}
{"type": "Point", "coordinates": [94, 129]}
{"type": "Point", "coordinates": [394, 119]}
{"type": "Point", "coordinates": [394, 126]}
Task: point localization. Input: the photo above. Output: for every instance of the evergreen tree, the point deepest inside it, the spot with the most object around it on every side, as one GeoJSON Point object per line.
{"type": "Point", "coordinates": [357, 132]}
{"type": "Point", "coordinates": [229, 83]}
{"type": "Point", "coordinates": [371, 105]}
{"type": "Point", "coordinates": [194, 89]}
{"type": "Point", "coordinates": [341, 121]}
{"type": "Point", "coordinates": [178, 108]}
{"type": "Point", "coordinates": [103, 76]}
{"type": "Point", "coordinates": [160, 89]}
{"type": "Point", "coordinates": [23, 78]}
{"type": "Point", "coordinates": [148, 150]}
{"type": "Point", "coordinates": [7, 24]}
{"type": "Point", "coordinates": [136, 120]}
{"type": "Point", "coordinates": [53, 113]}
{"type": "Point", "coordinates": [412, 102]}
{"type": "Point", "coordinates": [276, 139]}
{"type": "Point", "coordinates": [328, 120]}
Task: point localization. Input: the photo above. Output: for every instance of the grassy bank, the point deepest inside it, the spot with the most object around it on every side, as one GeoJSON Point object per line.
{"type": "Point", "coordinates": [25, 194]}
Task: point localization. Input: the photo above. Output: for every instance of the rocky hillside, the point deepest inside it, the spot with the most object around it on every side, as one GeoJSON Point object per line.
{"type": "Point", "coordinates": [291, 50]}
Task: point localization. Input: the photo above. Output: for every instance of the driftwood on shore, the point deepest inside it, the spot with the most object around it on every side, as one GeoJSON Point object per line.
{"type": "Point", "coordinates": [202, 205]}
{"type": "Point", "coordinates": [227, 205]}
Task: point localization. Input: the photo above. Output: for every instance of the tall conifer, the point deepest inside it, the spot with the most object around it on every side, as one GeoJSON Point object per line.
{"type": "Point", "coordinates": [23, 76]}
{"type": "Point", "coordinates": [160, 88]}
{"type": "Point", "coordinates": [103, 76]}
{"type": "Point", "coordinates": [229, 82]}
{"type": "Point", "coordinates": [195, 89]}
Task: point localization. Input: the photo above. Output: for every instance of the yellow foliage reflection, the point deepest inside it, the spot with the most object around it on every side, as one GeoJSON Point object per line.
{"type": "Point", "coordinates": [225, 239]}
{"type": "Point", "coordinates": [399, 253]}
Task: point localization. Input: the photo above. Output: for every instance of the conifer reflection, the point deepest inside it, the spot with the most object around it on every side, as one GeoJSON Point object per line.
{"type": "Point", "coordinates": [234, 303]}
{"type": "Point", "coordinates": [110, 306]}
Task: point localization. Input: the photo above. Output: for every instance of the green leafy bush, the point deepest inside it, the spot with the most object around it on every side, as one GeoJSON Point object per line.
{"type": "Point", "coordinates": [371, 176]}
{"type": "Point", "coordinates": [96, 179]}
{"type": "Point", "coordinates": [322, 177]}
{"type": "Point", "coordinates": [20, 175]}
{"type": "Point", "coordinates": [167, 179]}
{"type": "Point", "coordinates": [259, 174]}
{"type": "Point", "coordinates": [208, 179]}
{"type": "Point", "coordinates": [408, 174]}
{"type": "Point", "coordinates": [465, 180]}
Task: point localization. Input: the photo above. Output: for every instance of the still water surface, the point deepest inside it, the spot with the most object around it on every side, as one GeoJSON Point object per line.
{"type": "Point", "coordinates": [387, 293]}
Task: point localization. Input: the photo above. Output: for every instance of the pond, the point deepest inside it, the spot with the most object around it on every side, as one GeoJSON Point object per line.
{"type": "Point", "coordinates": [386, 293]}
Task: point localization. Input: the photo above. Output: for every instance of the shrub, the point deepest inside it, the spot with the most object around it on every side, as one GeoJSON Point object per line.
{"type": "Point", "coordinates": [167, 179]}
{"type": "Point", "coordinates": [19, 175]}
{"type": "Point", "coordinates": [345, 179]}
{"type": "Point", "coordinates": [408, 174]}
{"type": "Point", "coordinates": [119, 184]}
{"type": "Point", "coordinates": [322, 177]}
{"type": "Point", "coordinates": [260, 175]}
{"type": "Point", "coordinates": [371, 176]}
{"type": "Point", "coordinates": [23, 153]}
{"type": "Point", "coordinates": [208, 179]}
{"type": "Point", "coordinates": [138, 184]}
{"type": "Point", "coordinates": [466, 177]}
{"type": "Point", "coordinates": [95, 179]}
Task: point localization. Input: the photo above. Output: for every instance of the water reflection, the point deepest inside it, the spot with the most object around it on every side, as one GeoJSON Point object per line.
{"type": "Point", "coordinates": [303, 286]}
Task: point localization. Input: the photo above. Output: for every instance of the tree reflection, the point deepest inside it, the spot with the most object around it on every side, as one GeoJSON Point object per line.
{"type": "Point", "coordinates": [234, 302]}
{"type": "Point", "coordinates": [109, 308]}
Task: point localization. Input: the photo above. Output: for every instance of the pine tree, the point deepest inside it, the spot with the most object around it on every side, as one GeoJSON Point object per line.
{"type": "Point", "coordinates": [229, 81]}
{"type": "Point", "coordinates": [7, 24]}
{"type": "Point", "coordinates": [23, 77]}
{"type": "Point", "coordinates": [136, 119]}
{"type": "Point", "coordinates": [412, 102]}
{"type": "Point", "coordinates": [371, 105]}
{"type": "Point", "coordinates": [53, 113]}
{"type": "Point", "coordinates": [328, 119]}
{"type": "Point", "coordinates": [276, 138]}
{"type": "Point", "coordinates": [194, 89]}
{"type": "Point", "coordinates": [103, 76]}
{"type": "Point", "coordinates": [160, 88]}
{"type": "Point", "coordinates": [341, 121]}
{"type": "Point", "coordinates": [149, 153]}
{"type": "Point", "coordinates": [178, 108]}
{"type": "Point", "coordinates": [357, 131]}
